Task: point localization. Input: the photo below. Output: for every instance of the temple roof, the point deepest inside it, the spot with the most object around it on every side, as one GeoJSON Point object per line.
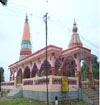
{"type": "Point", "coordinates": [26, 32]}
{"type": "Point", "coordinates": [75, 39]}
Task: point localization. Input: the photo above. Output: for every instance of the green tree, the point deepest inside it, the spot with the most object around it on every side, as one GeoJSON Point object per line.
{"type": "Point", "coordinates": [1, 74]}
{"type": "Point", "coordinates": [84, 71]}
{"type": "Point", "coordinates": [95, 67]}
{"type": "Point", "coordinates": [69, 72]}
{"type": "Point", "coordinates": [4, 2]}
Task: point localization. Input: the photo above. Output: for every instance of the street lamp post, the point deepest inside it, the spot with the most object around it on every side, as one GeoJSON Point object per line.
{"type": "Point", "coordinates": [45, 20]}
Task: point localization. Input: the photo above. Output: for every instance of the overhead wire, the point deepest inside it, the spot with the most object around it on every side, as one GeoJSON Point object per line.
{"type": "Point", "coordinates": [19, 8]}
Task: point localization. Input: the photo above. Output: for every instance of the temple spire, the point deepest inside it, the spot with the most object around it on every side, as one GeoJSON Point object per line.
{"type": "Point", "coordinates": [26, 20]}
{"type": "Point", "coordinates": [26, 43]}
{"type": "Point", "coordinates": [75, 29]}
{"type": "Point", "coordinates": [75, 39]}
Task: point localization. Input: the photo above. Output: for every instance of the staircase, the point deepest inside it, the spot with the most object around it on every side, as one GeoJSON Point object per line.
{"type": "Point", "coordinates": [92, 94]}
{"type": "Point", "coordinates": [15, 93]}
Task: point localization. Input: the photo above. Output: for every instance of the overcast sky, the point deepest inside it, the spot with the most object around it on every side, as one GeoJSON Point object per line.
{"type": "Point", "coordinates": [61, 15]}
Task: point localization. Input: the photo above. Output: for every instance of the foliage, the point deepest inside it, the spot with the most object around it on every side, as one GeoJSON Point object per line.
{"type": "Point", "coordinates": [84, 71]}
{"type": "Point", "coordinates": [95, 67]}
{"type": "Point", "coordinates": [4, 2]}
{"type": "Point", "coordinates": [69, 72]}
{"type": "Point", "coordinates": [1, 74]}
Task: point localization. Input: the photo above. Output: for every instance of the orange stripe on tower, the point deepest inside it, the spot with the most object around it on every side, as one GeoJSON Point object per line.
{"type": "Point", "coordinates": [26, 32]}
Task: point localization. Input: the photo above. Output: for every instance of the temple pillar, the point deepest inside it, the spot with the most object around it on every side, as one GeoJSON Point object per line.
{"type": "Point", "coordinates": [78, 68]}
{"type": "Point", "coordinates": [22, 74]}
{"type": "Point", "coordinates": [39, 73]}
{"type": "Point", "coordinates": [90, 71]}
{"type": "Point", "coordinates": [30, 74]}
{"type": "Point", "coordinates": [53, 70]}
{"type": "Point", "coordinates": [10, 76]}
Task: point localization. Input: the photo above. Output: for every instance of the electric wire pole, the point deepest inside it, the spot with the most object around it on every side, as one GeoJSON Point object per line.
{"type": "Point", "coordinates": [45, 20]}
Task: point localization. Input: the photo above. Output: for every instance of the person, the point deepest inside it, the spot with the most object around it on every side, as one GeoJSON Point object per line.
{"type": "Point", "coordinates": [56, 100]}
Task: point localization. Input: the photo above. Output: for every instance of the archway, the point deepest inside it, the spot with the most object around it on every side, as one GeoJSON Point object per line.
{"type": "Point", "coordinates": [43, 68]}
{"type": "Point", "coordinates": [57, 66]}
{"type": "Point", "coordinates": [19, 76]}
{"type": "Point", "coordinates": [68, 68]}
{"type": "Point", "coordinates": [27, 72]}
{"type": "Point", "coordinates": [34, 70]}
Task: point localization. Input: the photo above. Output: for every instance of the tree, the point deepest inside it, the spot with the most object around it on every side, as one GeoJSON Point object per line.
{"type": "Point", "coordinates": [4, 2]}
{"type": "Point", "coordinates": [95, 67]}
{"type": "Point", "coordinates": [69, 72]}
{"type": "Point", "coordinates": [1, 74]}
{"type": "Point", "coordinates": [84, 71]}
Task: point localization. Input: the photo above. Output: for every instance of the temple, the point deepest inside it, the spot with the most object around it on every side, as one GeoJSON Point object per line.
{"type": "Point", "coordinates": [29, 72]}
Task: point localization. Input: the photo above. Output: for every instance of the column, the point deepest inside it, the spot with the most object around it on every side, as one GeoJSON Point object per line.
{"type": "Point", "coordinates": [90, 71]}
{"type": "Point", "coordinates": [10, 76]}
{"type": "Point", "coordinates": [30, 74]}
{"type": "Point", "coordinates": [39, 73]}
{"type": "Point", "coordinates": [78, 68]}
{"type": "Point", "coordinates": [53, 70]}
{"type": "Point", "coordinates": [22, 74]}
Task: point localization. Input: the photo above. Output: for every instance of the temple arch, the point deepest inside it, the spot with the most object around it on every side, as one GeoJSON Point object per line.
{"type": "Point", "coordinates": [57, 66]}
{"type": "Point", "coordinates": [27, 72]}
{"type": "Point", "coordinates": [68, 68]}
{"type": "Point", "coordinates": [19, 76]}
{"type": "Point", "coordinates": [43, 68]}
{"type": "Point", "coordinates": [34, 70]}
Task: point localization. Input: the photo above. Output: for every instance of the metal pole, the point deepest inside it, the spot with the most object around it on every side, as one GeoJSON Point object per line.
{"type": "Point", "coordinates": [45, 16]}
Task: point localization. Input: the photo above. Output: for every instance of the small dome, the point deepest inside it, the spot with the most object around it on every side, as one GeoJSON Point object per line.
{"type": "Point", "coordinates": [75, 39]}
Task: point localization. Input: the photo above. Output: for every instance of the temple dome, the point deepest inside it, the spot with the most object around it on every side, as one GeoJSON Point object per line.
{"type": "Point", "coordinates": [75, 39]}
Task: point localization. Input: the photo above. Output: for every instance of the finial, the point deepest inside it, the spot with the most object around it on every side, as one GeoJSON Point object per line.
{"type": "Point", "coordinates": [75, 27]}
{"type": "Point", "coordinates": [26, 20]}
{"type": "Point", "coordinates": [74, 22]}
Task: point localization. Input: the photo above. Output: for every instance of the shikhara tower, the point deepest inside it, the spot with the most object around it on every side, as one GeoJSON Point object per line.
{"type": "Point", "coordinates": [75, 40]}
{"type": "Point", "coordinates": [26, 47]}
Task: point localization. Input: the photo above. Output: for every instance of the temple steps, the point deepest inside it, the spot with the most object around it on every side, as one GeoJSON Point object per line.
{"type": "Point", "coordinates": [15, 93]}
{"type": "Point", "coordinates": [92, 95]}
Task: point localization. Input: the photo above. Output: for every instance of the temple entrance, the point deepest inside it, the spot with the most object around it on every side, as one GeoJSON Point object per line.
{"type": "Point", "coordinates": [68, 68]}
{"type": "Point", "coordinates": [43, 68]}
{"type": "Point", "coordinates": [19, 76]}
{"type": "Point", "coordinates": [27, 72]}
{"type": "Point", "coordinates": [34, 70]}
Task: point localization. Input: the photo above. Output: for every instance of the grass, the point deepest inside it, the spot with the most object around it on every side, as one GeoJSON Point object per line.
{"type": "Point", "coordinates": [4, 93]}
{"type": "Point", "coordinates": [81, 103]}
{"type": "Point", "coordinates": [22, 101]}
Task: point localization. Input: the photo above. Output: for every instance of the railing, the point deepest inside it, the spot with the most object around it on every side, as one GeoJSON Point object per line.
{"type": "Point", "coordinates": [8, 85]}
{"type": "Point", "coordinates": [28, 82]}
{"type": "Point", "coordinates": [54, 83]}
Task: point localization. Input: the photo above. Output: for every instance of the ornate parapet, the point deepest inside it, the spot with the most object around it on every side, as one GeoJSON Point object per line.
{"type": "Point", "coordinates": [54, 84]}
{"type": "Point", "coordinates": [8, 85]}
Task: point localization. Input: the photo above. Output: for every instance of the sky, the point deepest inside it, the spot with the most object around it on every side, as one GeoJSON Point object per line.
{"type": "Point", "coordinates": [61, 15]}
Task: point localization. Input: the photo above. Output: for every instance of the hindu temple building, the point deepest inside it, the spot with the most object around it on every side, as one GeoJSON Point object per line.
{"type": "Point", "coordinates": [29, 72]}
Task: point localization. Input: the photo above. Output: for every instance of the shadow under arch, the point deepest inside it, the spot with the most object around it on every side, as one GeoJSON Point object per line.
{"type": "Point", "coordinates": [19, 76]}
{"type": "Point", "coordinates": [57, 66]}
{"type": "Point", "coordinates": [43, 68]}
{"type": "Point", "coordinates": [68, 68]}
{"type": "Point", "coordinates": [27, 72]}
{"type": "Point", "coordinates": [34, 70]}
